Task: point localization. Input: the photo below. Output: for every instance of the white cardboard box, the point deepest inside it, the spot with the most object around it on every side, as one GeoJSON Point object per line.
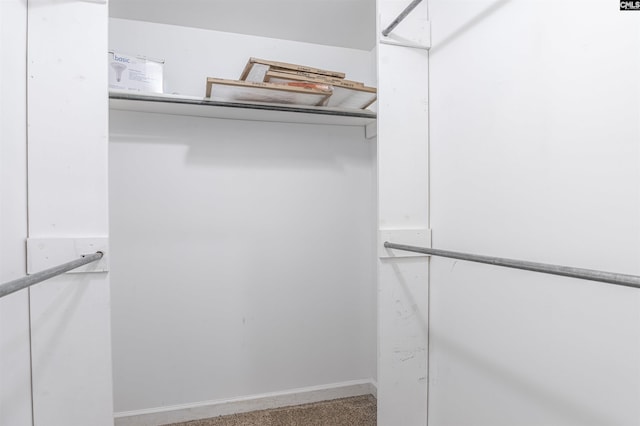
{"type": "Point", "coordinates": [136, 73]}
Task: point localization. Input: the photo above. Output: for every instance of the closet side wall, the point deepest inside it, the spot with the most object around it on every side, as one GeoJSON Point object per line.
{"type": "Point", "coordinates": [403, 211]}
{"type": "Point", "coordinates": [68, 199]}
{"type": "Point", "coordinates": [15, 356]}
{"type": "Point", "coordinates": [535, 143]}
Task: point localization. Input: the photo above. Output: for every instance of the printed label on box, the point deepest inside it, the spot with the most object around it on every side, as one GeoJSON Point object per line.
{"type": "Point", "coordinates": [129, 72]}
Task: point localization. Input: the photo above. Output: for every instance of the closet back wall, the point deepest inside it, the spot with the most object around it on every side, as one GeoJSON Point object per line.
{"type": "Point", "coordinates": [241, 251]}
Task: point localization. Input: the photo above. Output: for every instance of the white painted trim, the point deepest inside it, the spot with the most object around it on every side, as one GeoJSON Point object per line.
{"type": "Point", "coordinates": [44, 253]}
{"type": "Point", "coordinates": [207, 409]}
{"type": "Point", "coordinates": [405, 44]}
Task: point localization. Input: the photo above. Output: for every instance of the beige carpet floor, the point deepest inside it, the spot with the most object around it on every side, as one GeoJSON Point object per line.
{"type": "Point", "coordinates": [354, 411]}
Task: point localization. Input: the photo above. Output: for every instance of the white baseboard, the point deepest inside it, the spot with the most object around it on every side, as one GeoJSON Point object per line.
{"type": "Point", "coordinates": [374, 388]}
{"type": "Point", "coordinates": [206, 409]}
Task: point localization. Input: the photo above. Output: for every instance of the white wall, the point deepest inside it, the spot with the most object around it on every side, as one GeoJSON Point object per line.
{"type": "Point", "coordinates": [242, 252]}
{"type": "Point", "coordinates": [403, 212]}
{"type": "Point", "coordinates": [15, 356]}
{"type": "Point", "coordinates": [344, 23]}
{"type": "Point", "coordinates": [67, 152]}
{"type": "Point", "coordinates": [535, 144]}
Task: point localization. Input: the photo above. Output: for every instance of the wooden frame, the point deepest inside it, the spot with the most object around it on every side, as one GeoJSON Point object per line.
{"type": "Point", "coordinates": [346, 93]}
{"type": "Point", "coordinates": [250, 91]}
{"type": "Point", "coordinates": [266, 65]}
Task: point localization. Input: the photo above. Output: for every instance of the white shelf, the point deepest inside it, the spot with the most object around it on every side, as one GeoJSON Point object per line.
{"type": "Point", "coordinates": [254, 111]}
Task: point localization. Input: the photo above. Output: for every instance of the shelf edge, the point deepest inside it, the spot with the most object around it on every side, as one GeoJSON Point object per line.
{"type": "Point", "coordinates": [184, 100]}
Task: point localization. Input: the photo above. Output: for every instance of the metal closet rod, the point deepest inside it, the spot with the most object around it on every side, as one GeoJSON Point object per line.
{"type": "Point", "coordinates": [400, 17]}
{"type": "Point", "coordinates": [24, 282]}
{"type": "Point", "coordinates": [545, 268]}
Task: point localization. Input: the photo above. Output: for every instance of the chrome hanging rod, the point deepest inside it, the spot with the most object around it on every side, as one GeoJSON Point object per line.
{"type": "Point", "coordinates": [24, 282]}
{"type": "Point", "coordinates": [400, 17]}
{"type": "Point", "coordinates": [545, 268]}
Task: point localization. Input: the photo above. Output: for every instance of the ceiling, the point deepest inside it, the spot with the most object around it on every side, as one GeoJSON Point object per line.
{"type": "Point", "coordinates": [344, 23]}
